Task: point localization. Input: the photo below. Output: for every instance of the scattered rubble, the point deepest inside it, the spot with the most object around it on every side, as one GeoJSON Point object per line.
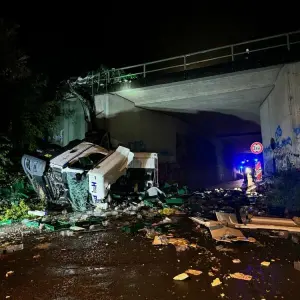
{"type": "Point", "coordinates": [216, 282]}
{"type": "Point", "coordinates": [265, 263]}
{"type": "Point", "coordinates": [297, 265]}
{"type": "Point", "coordinates": [224, 249]}
{"type": "Point", "coordinates": [9, 273]}
{"type": "Point", "coordinates": [222, 233]}
{"type": "Point", "coordinates": [179, 243]}
{"type": "Point", "coordinates": [241, 276]}
{"type": "Point", "coordinates": [193, 272]}
{"type": "Point", "coordinates": [182, 276]}
{"type": "Point", "coordinates": [43, 246]}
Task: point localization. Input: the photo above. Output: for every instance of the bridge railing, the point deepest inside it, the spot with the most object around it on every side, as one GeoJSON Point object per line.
{"type": "Point", "coordinates": [208, 57]}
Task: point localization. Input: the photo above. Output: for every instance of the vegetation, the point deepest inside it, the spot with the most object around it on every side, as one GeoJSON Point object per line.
{"type": "Point", "coordinates": [31, 102]}
{"type": "Point", "coordinates": [31, 108]}
{"type": "Point", "coordinates": [15, 211]}
{"type": "Point", "coordinates": [16, 198]}
{"type": "Point", "coordinates": [285, 191]}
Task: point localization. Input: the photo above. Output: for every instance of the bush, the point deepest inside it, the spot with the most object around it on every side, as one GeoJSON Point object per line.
{"type": "Point", "coordinates": [16, 198]}
{"type": "Point", "coordinates": [16, 212]}
{"type": "Point", "coordinates": [285, 191]}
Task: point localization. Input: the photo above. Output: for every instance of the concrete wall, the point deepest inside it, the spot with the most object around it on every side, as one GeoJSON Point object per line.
{"type": "Point", "coordinates": [280, 121]}
{"type": "Point", "coordinates": [72, 125]}
{"type": "Point", "coordinates": [137, 128]}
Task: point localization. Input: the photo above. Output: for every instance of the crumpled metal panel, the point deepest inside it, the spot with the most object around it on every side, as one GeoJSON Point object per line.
{"type": "Point", "coordinates": [63, 159]}
{"type": "Point", "coordinates": [33, 166]}
{"type": "Point", "coordinates": [107, 172]}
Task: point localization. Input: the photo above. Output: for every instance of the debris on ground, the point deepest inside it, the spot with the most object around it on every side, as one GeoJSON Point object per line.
{"type": "Point", "coordinates": [37, 213]}
{"type": "Point", "coordinates": [265, 263]}
{"type": "Point", "coordinates": [220, 232]}
{"type": "Point", "coordinates": [181, 276]}
{"type": "Point", "coordinates": [160, 240]}
{"type": "Point", "coordinates": [154, 213]}
{"type": "Point", "coordinates": [168, 211]}
{"type": "Point", "coordinates": [241, 276]}
{"type": "Point", "coordinates": [5, 249]}
{"type": "Point", "coordinates": [77, 228]}
{"type": "Point", "coordinates": [67, 233]}
{"type": "Point", "coordinates": [224, 249]}
{"type": "Point", "coordinates": [43, 246]}
{"type": "Point", "coordinates": [216, 282]}
{"type": "Point", "coordinates": [9, 273]}
{"type": "Point", "coordinates": [295, 239]}
{"type": "Point", "coordinates": [179, 243]}
{"type": "Point", "coordinates": [193, 272]}
{"type": "Point", "coordinates": [279, 224]}
{"type": "Point", "coordinates": [297, 265]}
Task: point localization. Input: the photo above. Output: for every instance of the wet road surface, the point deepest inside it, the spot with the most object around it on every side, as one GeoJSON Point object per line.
{"type": "Point", "coordinates": [113, 265]}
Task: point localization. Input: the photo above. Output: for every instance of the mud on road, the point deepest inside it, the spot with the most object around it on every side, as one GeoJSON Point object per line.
{"type": "Point", "coordinates": [113, 265]}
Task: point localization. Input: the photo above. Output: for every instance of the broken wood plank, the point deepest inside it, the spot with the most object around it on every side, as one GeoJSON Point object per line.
{"type": "Point", "coordinates": [273, 221]}
{"type": "Point", "coordinates": [270, 227]}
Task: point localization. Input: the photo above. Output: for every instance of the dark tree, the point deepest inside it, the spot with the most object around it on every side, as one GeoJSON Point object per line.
{"type": "Point", "coordinates": [29, 102]}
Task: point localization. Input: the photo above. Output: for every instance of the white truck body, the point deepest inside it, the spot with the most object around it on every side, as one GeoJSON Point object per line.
{"type": "Point", "coordinates": [107, 172]}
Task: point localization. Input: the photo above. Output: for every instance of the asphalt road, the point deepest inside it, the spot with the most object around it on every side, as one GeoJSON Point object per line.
{"type": "Point", "coordinates": [111, 265]}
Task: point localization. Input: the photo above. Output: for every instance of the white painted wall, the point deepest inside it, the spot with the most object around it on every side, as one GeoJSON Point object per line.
{"type": "Point", "coordinates": [280, 120]}
{"type": "Point", "coordinates": [129, 125]}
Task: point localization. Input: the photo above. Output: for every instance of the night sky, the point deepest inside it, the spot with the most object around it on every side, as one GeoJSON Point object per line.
{"type": "Point", "coordinates": [69, 45]}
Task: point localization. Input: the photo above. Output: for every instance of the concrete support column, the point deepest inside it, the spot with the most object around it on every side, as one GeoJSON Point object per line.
{"type": "Point", "coordinates": [280, 122]}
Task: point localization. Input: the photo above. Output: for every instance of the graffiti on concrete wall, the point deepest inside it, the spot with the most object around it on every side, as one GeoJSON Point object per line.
{"type": "Point", "coordinates": [282, 154]}
{"type": "Point", "coordinates": [296, 132]}
{"type": "Point", "coordinates": [137, 146]}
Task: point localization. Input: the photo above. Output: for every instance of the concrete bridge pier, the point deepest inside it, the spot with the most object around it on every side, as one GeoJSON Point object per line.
{"type": "Point", "coordinates": [280, 121]}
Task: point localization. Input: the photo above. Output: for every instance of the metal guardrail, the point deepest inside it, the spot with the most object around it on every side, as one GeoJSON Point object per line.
{"type": "Point", "coordinates": [186, 60]}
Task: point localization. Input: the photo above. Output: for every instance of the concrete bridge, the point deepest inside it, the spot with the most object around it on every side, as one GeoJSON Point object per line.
{"type": "Point", "coordinates": [256, 81]}
{"type": "Point", "coordinates": [198, 109]}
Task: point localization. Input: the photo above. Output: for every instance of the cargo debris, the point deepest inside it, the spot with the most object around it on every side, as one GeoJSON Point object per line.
{"type": "Point", "coordinates": [265, 263]}
{"type": "Point", "coordinates": [193, 272]}
{"type": "Point", "coordinates": [222, 233]}
{"type": "Point", "coordinates": [241, 276]}
{"type": "Point", "coordinates": [216, 282]}
{"type": "Point", "coordinates": [182, 276]}
{"type": "Point", "coordinates": [259, 223]}
{"type": "Point", "coordinates": [9, 273]}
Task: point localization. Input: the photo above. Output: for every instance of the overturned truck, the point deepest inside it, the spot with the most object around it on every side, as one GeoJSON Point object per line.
{"type": "Point", "coordinates": [83, 175]}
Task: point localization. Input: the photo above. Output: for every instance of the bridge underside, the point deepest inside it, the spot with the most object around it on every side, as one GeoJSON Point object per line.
{"type": "Point", "coordinates": [239, 94]}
